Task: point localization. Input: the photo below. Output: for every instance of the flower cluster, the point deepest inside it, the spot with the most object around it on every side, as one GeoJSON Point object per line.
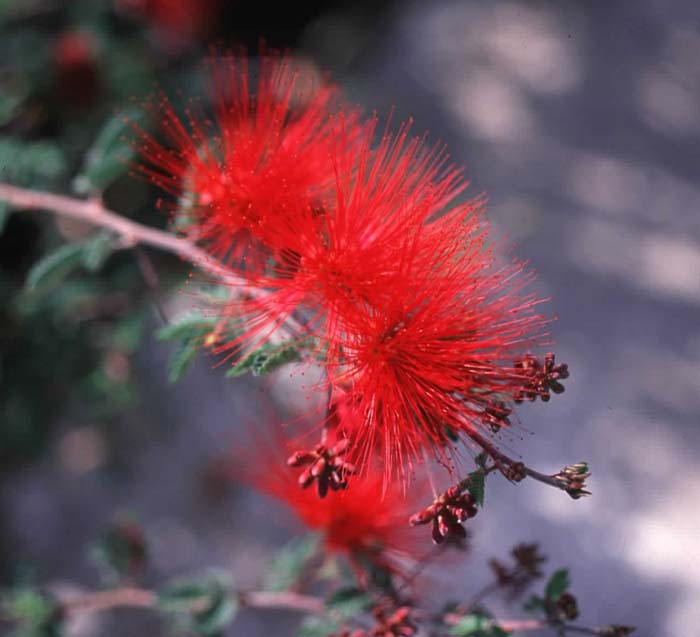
{"type": "Point", "coordinates": [364, 240]}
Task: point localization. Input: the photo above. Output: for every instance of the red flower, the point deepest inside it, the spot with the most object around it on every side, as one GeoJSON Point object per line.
{"type": "Point", "coordinates": [262, 160]}
{"type": "Point", "coordinates": [337, 255]}
{"type": "Point", "coordinates": [77, 73]}
{"type": "Point", "coordinates": [358, 522]}
{"type": "Point", "coordinates": [177, 22]}
{"type": "Point", "coordinates": [428, 357]}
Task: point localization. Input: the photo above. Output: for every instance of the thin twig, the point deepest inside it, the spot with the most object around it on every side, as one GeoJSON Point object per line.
{"type": "Point", "coordinates": [144, 598]}
{"type": "Point", "coordinates": [500, 457]}
{"type": "Point", "coordinates": [129, 233]}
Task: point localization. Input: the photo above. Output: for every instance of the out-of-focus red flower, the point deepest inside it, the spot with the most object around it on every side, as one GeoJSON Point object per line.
{"type": "Point", "coordinates": [77, 74]}
{"type": "Point", "coordinates": [255, 166]}
{"type": "Point", "coordinates": [176, 22]}
{"type": "Point", "coordinates": [359, 523]}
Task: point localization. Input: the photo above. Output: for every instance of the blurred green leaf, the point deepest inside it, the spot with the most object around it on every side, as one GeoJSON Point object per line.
{"type": "Point", "coordinates": [477, 626]}
{"type": "Point", "coordinates": [181, 359]}
{"type": "Point", "coordinates": [476, 485]}
{"type": "Point", "coordinates": [121, 551]}
{"type": "Point", "coordinates": [557, 584]}
{"type": "Point", "coordinates": [55, 266]}
{"type": "Point", "coordinates": [287, 566]}
{"type": "Point", "coordinates": [348, 601]}
{"type": "Point", "coordinates": [30, 163]}
{"type": "Point", "coordinates": [318, 627]}
{"type": "Point", "coordinates": [207, 602]}
{"type": "Point", "coordinates": [108, 158]}
{"type": "Point", "coordinates": [36, 614]}
{"type": "Point", "coordinates": [533, 603]}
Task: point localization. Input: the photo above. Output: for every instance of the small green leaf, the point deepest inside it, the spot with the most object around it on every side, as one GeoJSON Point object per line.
{"type": "Point", "coordinates": [348, 601]}
{"type": "Point", "coordinates": [318, 627]}
{"type": "Point", "coordinates": [557, 584]}
{"type": "Point", "coordinates": [206, 602]}
{"type": "Point", "coordinates": [108, 157]}
{"type": "Point", "coordinates": [533, 603]}
{"type": "Point", "coordinates": [37, 614]}
{"type": "Point", "coordinates": [477, 626]}
{"type": "Point", "coordinates": [97, 250]}
{"type": "Point", "coordinates": [287, 566]}
{"type": "Point", "coordinates": [265, 359]}
{"type": "Point", "coordinates": [55, 266]}
{"type": "Point", "coordinates": [186, 327]}
{"type": "Point", "coordinates": [181, 359]}
{"type": "Point", "coordinates": [4, 215]}
{"type": "Point", "coordinates": [476, 485]}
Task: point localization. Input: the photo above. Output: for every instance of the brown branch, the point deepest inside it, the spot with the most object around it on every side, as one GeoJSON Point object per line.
{"type": "Point", "coordinates": [144, 598]}
{"type": "Point", "coordinates": [130, 233]}
{"type": "Point", "coordinates": [502, 459]}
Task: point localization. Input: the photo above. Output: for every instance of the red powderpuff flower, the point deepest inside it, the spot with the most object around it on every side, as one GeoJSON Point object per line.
{"type": "Point", "coordinates": [77, 73]}
{"type": "Point", "coordinates": [337, 255]}
{"type": "Point", "coordinates": [358, 523]}
{"type": "Point", "coordinates": [428, 357]}
{"type": "Point", "coordinates": [176, 22]}
{"type": "Point", "coordinates": [250, 170]}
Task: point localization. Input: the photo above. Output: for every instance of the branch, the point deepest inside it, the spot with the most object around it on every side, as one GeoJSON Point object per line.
{"type": "Point", "coordinates": [144, 598]}
{"type": "Point", "coordinates": [130, 233]}
{"type": "Point", "coordinates": [510, 468]}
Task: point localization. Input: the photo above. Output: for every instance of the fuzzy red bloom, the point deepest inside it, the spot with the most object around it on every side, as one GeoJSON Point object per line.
{"type": "Point", "coordinates": [177, 22]}
{"type": "Point", "coordinates": [358, 523]}
{"type": "Point", "coordinates": [254, 167]}
{"type": "Point", "coordinates": [412, 316]}
{"type": "Point", "coordinates": [336, 256]}
{"type": "Point", "coordinates": [429, 357]}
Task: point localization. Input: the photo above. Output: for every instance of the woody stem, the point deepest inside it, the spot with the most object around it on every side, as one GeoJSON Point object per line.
{"type": "Point", "coordinates": [500, 458]}
{"type": "Point", "coordinates": [129, 233]}
{"type": "Point", "coordinates": [144, 598]}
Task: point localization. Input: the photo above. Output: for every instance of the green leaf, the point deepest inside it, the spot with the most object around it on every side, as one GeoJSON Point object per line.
{"type": "Point", "coordinates": [533, 603]}
{"type": "Point", "coordinates": [121, 551]}
{"type": "Point", "coordinates": [36, 613]}
{"type": "Point", "coordinates": [108, 158]}
{"type": "Point", "coordinates": [557, 584]}
{"type": "Point", "coordinates": [348, 601]}
{"type": "Point", "coordinates": [318, 627]}
{"type": "Point", "coordinates": [181, 359]}
{"type": "Point", "coordinates": [206, 603]}
{"type": "Point", "coordinates": [265, 359]}
{"type": "Point", "coordinates": [31, 163]}
{"type": "Point", "coordinates": [287, 566]}
{"type": "Point", "coordinates": [477, 626]}
{"type": "Point", "coordinates": [186, 327]}
{"type": "Point", "coordinates": [476, 484]}
{"type": "Point", "coordinates": [97, 250]}
{"type": "Point", "coordinates": [4, 215]}
{"type": "Point", "coordinates": [55, 266]}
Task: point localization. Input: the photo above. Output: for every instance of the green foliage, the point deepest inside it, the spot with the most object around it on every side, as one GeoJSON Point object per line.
{"type": "Point", "coordinates": [203, 606]}
{"type": "Point", "coordinates": [318, 627]}
{"type": "Point", "coordinates": [37, 164]}
{"type": "Point", "coordinates": [121, 551]}
{"type": "Point", "coordinates": [557, 584]}
{"type": "Point", "coordinates": [287, 566]}
{"type": "Point", "coordinates": [476, 485]}
{"type": "Point", "coordinates": [265, 359]}
{"type": "Point", "coordinates": [189, 330]}
{"type": "Point", "coordinates": [57, 265]}
{"type": "Point", "coordinates": [108, 158]}
{"type": "Point", "coordinates": [477, 625]}
{"type": "Point", "coordinates": [348, 601]}
{"type": "Point", "coordinates": [36, 613]}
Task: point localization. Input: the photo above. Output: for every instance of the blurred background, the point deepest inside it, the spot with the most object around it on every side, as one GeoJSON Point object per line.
{"type": "Point", "coordinates": [582, 123]}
